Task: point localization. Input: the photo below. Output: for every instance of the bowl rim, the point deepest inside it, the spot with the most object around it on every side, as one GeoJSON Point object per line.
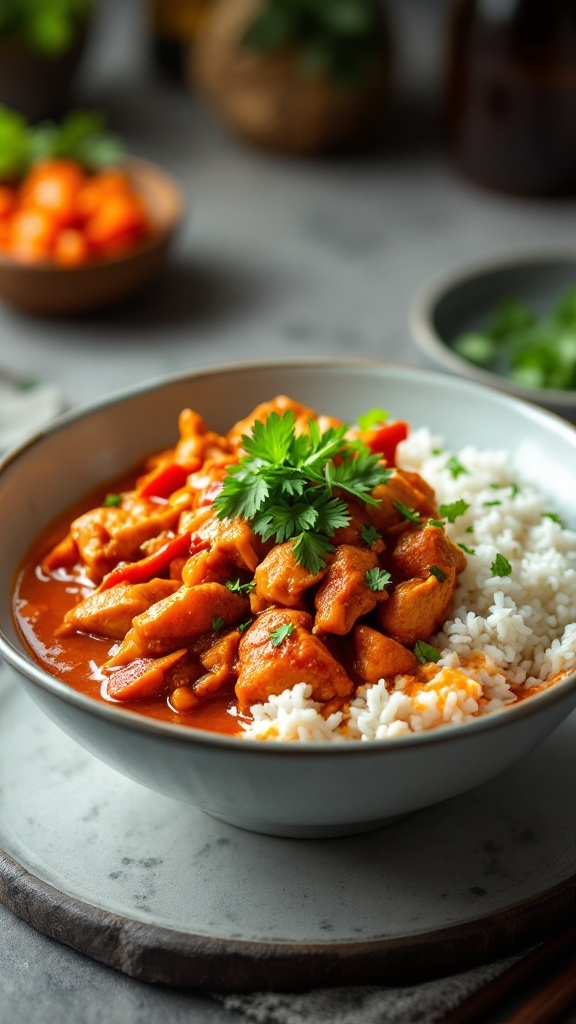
{"type": "Point", "coordinates": [430, 342]}
{"type": "Point", "coordinates": [125, 718]}
{"type": "Point", "coordinates": [157, 237]}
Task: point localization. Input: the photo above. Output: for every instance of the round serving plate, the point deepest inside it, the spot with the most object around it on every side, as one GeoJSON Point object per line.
{"type": "Point", "coordinates": [169, 895]}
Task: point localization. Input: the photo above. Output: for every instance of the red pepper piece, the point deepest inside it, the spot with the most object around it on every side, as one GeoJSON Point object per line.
{"type": "Point", "coordinates": [387, 438]}
{"type": "Point", "coordinates": [147, 568]}
{"type": "Point", "coordinates": [164, 480]}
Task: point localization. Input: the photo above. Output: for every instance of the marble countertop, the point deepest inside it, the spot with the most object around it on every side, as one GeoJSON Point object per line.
{"type": "Point", "coordinates": [277, 259]}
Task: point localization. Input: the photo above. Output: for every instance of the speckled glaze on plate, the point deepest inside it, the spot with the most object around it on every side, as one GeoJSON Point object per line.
{"type": "Point", "coordinates": [168, 894]}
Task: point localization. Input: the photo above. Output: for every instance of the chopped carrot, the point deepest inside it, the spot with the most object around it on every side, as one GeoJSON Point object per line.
{"type": "Point", "coordinates": [32, 235]}
{"type": "Point", "coordinates": [119, 222]}
{"type": "Point", "coordinates": [96, 190]}
{"type": "Point", "coordinates": [53, 186]}
{"type": "Point", "coordinates": [71, 248]}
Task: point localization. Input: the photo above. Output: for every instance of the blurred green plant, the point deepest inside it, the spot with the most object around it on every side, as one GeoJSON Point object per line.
{"type": "Point", "coordinates": [339, 39]}
{"type": "Point", "coordinates": [49, 27]}
{"type": "Point", "coordinates": [80, 136]}
{"type": "Point", "coordinates": [538, 352]}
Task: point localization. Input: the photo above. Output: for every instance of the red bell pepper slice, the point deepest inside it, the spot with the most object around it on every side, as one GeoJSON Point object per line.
{"type": "Point", "coordinates": [164, 480]}
{"type": "Point", "coordinates": [147, 568]}
{"type": "Point", "coordinates": [386, 439]}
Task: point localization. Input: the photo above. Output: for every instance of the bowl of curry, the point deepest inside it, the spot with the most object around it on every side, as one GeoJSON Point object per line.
{"type": "Point", "coordinates": [307, 598]}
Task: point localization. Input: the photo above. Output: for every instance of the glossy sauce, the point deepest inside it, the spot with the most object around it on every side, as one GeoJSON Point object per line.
{"type": "Point", "coordinates": [40, 603]}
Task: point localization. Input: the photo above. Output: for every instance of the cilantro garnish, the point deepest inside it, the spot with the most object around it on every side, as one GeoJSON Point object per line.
{"type": "Point", "coordinates": [469, 529]}
{"type": "Point", "coordinates": [284, 485]}
{"type": "Point", "coordinates": [553, 516]}
{"type": "Point", "coordinates": [468, 551]}
{"type": "Point", "coordinates": [454, 509]}
{"type": "Point", "coordinates": [236, 587]}
{"type": "Point", "coordinates": [500, 566]}
{"type": "Point", "coordinates": [489, 504]}
{"type": "Point", "coordinates": [412, 514]}
{"type": "Point", "coordinates": [112, 500]}
{"type": "Point", "coordinates": [372, 418]}
{"type": "Point", "coordinates": [370, 535]}
{"type": "Point", "coordinates": [217, 622]}
{"type": "Point", "coordinates": [278, 635]}
{"type": "Point", "coordinates": [514, 490]}
{"type": "Point", "coordinates": [244, 625]}
{"type": "Point", "coordinates": [437, 451]}
{"type": "Point", "coordinates": [425, 652]}
{"type": "Point", "coordinates": [437, 522]}
{"type": "Point", "coordinates": [437, 572]}
{"type": "Point", "coordinates": [455, 467]}
{"type": "Point", "coordinates": [377, 578]}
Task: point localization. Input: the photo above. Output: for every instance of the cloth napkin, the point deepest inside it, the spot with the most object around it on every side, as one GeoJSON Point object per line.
{"type": "Point", "coordinates": [417, 1004]}
{"type": "Point", "coordinates": [24, 408]}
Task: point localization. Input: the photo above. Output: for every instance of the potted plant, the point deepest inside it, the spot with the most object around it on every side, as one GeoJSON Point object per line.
{"type": "Point", "coordinates": [41, 42]}
{"type": "Point", "coordinates": [298, 76]}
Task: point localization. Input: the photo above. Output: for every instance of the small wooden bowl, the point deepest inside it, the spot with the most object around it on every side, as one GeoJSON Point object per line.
{"type": "Point", "coordinates": [49, 289]}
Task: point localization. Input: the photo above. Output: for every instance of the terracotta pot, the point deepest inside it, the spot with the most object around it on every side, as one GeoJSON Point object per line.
{"type": "Point", "coordinates": [267, 100]}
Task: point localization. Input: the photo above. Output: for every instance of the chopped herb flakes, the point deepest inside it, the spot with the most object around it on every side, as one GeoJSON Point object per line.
{"type": "Point", "coordinates": [377, 578]}
{"type": "Point", "coordinates": [501, 566]}
{"type": "Point", "coordinates": [454, 509]}
{"type": "Point", "coordinates": [244, 625]}
{"type": "Point", "coordinates": [488, 504]}
{"type": "Point", "coordinates": [112, 500]}
{"type": "Point", "coordinates": [467, 551]}
{"type": "Point", "coordinates": [514, 490]}
{"type": "Point", "coordinates": [553, 516]}
{"type": "Point", "coordinates": [412, 514]}
{"type": "Point", "coordinates": [370, 535]}
{"type": "Point", "coordinates": [372, 418]}
{"type": "Point", "coordinates": [425, 652]}
{"type": "Point", "coordinates": [240, 588]}
{"type": "Point", "coordinates": [217, 623]}
{"type": "Point", "coordinates": [455, 467]}
{"type": "Point", "coordinates": [278, 635]}
{"type": "Point", "coordinates": [435, 571]}
{"type": "Point", "coordinates": [437, 522]}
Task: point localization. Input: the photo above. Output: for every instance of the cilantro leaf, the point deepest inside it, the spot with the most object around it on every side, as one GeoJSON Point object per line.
{"type": "Point", "coordinates": [467, 551]}
{"type": "Point", "coordinates": [501, 566]}
{"type": "Point", "coordinates": [439, 523]}
{"type": "Point", "coordinates": [370, 535]}
{"type": "Point", "coordinates": [278, 635]}
{"type": "Point", "coordinates": [454, 509]}
{"type": "Point", "coordinates": [553, 516]}
{"type": "Point", "coordinates": [217, 622]}
{"type": "Point", "coordinates": [425, 652]}
{"type": "Point", "coordinates": [377, 578]}
{"type": "Point", "coordinates": [455, 467]}
{"type": "Point", "coordinates": [372, 418]}
{"type": "Point", "coordinates": [244, 625]}
{"type": "Point", "coordinates": [237, 587]}
{"type": "Point", "coordinates": [112, 500]}
{"type": "Point", "coordinates": [437, 572]}
{"type": "Point", "coordinates": [412, 514]}
{"type": "Point", "coordinates": [284, 484]}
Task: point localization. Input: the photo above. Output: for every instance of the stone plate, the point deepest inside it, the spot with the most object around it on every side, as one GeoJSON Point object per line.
{"type": "Point", "coordinates": [169, 895]}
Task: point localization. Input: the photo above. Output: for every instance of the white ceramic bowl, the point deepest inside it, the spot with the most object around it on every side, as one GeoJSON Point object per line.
{"type": "Point", "coordinates": [465, 300]}
{"type": "Point", "coordinates": [282, 789]}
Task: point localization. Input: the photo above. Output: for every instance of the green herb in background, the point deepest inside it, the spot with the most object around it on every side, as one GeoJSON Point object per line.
{"type": "Point", "coordinates": [532, 351]}
{"type": "Point", "coordinates": [46, 26]}
{"type": "Point", "coordinates": [80, 136]}
{"type": "Point", "coordinates": [336, 38]}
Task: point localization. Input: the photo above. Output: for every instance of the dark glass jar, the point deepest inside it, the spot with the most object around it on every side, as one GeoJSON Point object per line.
{"type": "Point", "coordinates": [512, 94]}
{"type": "Point", "coordinates": [173, 28]}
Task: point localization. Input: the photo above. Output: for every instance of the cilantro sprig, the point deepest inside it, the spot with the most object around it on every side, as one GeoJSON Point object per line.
{"type": "Point", "coordinates": [291, 487]}
{"type": "Point", "coordinates": [81, 136]}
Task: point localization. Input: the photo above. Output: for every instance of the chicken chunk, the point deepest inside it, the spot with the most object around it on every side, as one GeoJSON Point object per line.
{"type": "Point", "coordinates": [416, 609]}
{"type": "Point", "coordinates": [280, 579]}
{"type": "Point", "coordinates": [408, 489]}
{"type": "Point", "coordinates": [143, 678]}
{"type": "Point", "coordinates": [344, 595]}
{"type": "Point", "coordinates": [380, 657]}
{"type": "Point", "coordinates": [416, 551]}
{"type": "Point", "coordinates": [106, 536]}
{"type": "Point", "coordinates": [184, 616]}
{"type": "Point", "coordinates": [109, 613]}
{"type": "Point", "coordinates": [264, 668]}
{"type": "Point", "coordinates": [220, 662]}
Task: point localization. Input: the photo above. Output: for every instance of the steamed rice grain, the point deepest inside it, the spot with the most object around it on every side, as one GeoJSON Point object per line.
{"type": "Point", "coordinates": [507, 635]}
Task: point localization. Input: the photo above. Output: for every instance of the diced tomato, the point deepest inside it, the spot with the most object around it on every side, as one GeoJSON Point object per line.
{"type": "Point", "coordinates": [163, 480]}
{"type": "Point", "coordinates": [70, 249]}
{"type": "Point", "coordinates": [386, 439]}
{"type": "Point", "coordinates": [53, 186]}
{"type": "Point", "coordinates": [32, 235]}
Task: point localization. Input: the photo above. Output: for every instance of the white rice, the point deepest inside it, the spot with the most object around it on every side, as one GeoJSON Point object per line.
{"type": "Point", "coordinates": [507, 634]}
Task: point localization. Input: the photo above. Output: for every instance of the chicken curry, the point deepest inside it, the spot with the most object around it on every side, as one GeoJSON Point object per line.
{"type": "Point", "coordinates": [230, 568]}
